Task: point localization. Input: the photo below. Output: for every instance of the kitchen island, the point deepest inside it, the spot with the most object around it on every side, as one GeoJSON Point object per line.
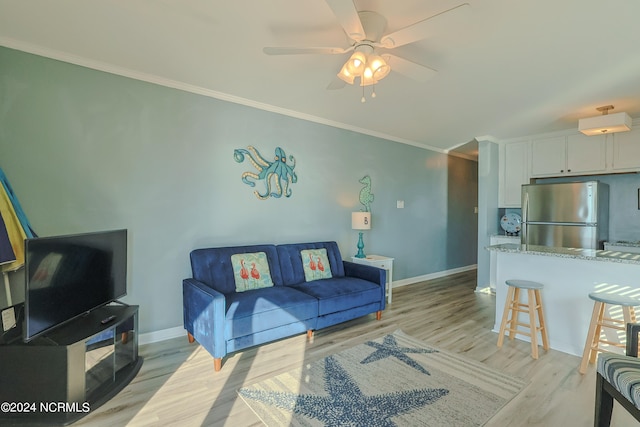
{"type": "Point", "coordinates": [568, 276]}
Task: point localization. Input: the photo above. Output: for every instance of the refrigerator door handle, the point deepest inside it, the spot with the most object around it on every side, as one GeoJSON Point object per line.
{"type": "Point", "coordinates": [575, 224]}
{"type": "Point", "coordinates": [525, 215]}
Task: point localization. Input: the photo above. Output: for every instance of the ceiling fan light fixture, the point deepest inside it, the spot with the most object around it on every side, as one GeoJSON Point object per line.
{"type": "Point", "coordinates": [379, 67]}
{"type": "Point", "coordinates": [355, 65]}
{"type": "Point", "coordinates": [365, 64]}
{"type": "Point", "coordinates": [345, 75]}
{"type": "Point", "coordinates": [367, 73]}
{"type": "Point", "coordinates": [382, 72]}
{"type": "Point", "coordinates": [367, 30]}
{"type": "Point", "coordinates": [375, 62]}
{"type": "Point", "coordinates": [367, 80]}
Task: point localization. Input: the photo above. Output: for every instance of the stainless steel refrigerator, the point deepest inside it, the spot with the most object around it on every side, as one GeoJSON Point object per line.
{"type": "Point", "coordinates": [569, 215]}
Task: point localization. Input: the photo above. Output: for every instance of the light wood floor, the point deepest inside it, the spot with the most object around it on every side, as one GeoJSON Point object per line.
{"type": "Point", "coordinates": [177, 385]}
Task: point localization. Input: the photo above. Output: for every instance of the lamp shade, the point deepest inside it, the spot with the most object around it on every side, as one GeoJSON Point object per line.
{"type": "Point", "coordinates": [355, 64]}
{"type": "Point", "coordinates": [379, 67]}
{"type": "Point", "coordinates": [345, 75]}
{"type": "Point", "coordinates": [607, 123]}
{"type": "Point", "coordinates": [361, 220]}
{"type": "Point", "coordinates": [365, 64]}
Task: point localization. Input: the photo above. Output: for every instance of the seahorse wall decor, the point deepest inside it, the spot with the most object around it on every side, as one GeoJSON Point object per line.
{"type": "Point", "coordinates": [366, 196]}
{"type": "Point", "coordinates": [278, 171]}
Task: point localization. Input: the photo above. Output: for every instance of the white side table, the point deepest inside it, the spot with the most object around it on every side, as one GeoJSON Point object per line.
{"type": "Point", "coordinates": [382, 262]}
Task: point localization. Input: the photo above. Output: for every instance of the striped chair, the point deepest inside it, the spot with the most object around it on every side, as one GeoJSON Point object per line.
{"type": "Point", "coordinates": [618, 377]}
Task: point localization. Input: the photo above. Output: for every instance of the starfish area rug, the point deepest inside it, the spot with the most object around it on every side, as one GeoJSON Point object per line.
{"type": "Point", "coordinates": [395, 380]}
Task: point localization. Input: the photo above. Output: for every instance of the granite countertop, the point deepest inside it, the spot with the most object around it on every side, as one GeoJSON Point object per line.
{"type": "Point", "coordinates": [575, 253]}
{"type": "Point", "coordinates": [623, 243]}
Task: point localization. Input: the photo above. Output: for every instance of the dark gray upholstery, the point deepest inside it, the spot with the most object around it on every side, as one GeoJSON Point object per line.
{"type": "Point", "coordinates": [618, 377]}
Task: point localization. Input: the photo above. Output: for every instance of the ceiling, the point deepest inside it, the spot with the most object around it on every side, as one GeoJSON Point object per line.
{"type": "Point", "coordinates": [512, 68]}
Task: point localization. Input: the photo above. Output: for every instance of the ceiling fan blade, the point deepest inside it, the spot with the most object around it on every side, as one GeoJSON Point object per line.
{"type": "Point", "coordinates": [408, 68]}
{"type": "Point", "coordinates": [347, 15]}
{"type": "Point", "coordinates": [336, 83]}
{"type": "Point", "coordinates": [305, 50]}
{"type": "Point", "coordinates": [422, 29]}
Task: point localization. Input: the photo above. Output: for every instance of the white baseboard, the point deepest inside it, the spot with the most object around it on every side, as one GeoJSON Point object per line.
{"type": "Point", "coordinates": [164, 334]}
{"type": "Point", "coordinates": [431, 276]}
{"type": "Point", "coordinates": [179, 331]}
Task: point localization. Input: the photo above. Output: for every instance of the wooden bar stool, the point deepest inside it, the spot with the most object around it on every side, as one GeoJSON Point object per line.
{"type": "Point", "coordinates": [599, 321]}
{"type": "Point", "coordinates": [533, 306]}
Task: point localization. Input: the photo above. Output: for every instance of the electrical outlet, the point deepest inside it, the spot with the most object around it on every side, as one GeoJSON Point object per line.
{"type": "Point", "coordinates": [400, 204]}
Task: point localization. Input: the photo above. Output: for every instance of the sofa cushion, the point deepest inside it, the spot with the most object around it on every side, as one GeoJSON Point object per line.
{"type": "Point", "coordinates": [315, 264]}
{"type": "Point", "coordinates": [340, 293]}
{"type": "Point", "coordinates": [251, 271]}
{"type": "Point", "coordinates": [212, 266]}
{"type": "Point", "coordinates": [266, 308]}
{"type": "Point", "coordinates": [623, 373]}
{"type": "Point", "coordinates": [290, 260]}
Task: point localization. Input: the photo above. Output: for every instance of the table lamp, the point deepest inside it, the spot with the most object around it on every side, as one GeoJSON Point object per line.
{"type": "Point", "coordinates": [360, 221]}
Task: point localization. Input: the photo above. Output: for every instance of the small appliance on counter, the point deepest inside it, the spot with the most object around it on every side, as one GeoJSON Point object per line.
{"type": "Point", "coordinates": [568, 215]}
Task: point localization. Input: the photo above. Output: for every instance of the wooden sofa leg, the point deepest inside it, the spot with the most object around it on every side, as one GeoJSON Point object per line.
{"type": "Point", "coordinates": [310, 334]}
{"type": "Point", "coordinates": [190, 338]}
{"type": "Point", "coordinates": [217, 364]}
{"type": "Point", "coordinates": [378, 314]}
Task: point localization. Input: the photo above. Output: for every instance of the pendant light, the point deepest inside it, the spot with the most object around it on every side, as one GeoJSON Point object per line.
{"type": "Point", "coordinates": [606, 123]}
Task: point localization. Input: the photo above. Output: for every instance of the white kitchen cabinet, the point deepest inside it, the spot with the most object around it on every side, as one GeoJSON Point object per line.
{"type": "Point", "coordinates": [626, 150]}
{"type": "Point", "coordinates": [549, 156]}
{"type": "Point", "coordinates": [586, 154]}
{"type": "Point", "coordinates": [576, 154]}
{"type": "Point", "coordinates": [514, 172]}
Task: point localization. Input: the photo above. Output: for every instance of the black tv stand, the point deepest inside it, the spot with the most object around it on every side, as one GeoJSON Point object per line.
{"type": "Point", "coordinates": [61, 377]}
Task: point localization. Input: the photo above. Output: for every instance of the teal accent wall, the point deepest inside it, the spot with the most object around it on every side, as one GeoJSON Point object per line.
{"type": "Point", "coordinates": [87, 150]}
{"type": "Point", "coordinates": [462, 199]}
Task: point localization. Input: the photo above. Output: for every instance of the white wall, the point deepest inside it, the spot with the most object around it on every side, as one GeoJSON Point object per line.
{"type": "Point", "coordinates": [487, 206]}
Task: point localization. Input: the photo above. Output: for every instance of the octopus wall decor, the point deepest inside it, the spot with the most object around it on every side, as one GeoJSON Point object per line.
{"type": "Point", "coordinates": [276, 175]}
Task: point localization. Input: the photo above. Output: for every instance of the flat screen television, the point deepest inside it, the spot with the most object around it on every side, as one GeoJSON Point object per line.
{"type": "Point", "coordinates": [68, 276]}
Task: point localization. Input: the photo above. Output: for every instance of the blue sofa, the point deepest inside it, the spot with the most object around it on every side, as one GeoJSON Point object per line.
{"type": "Point", "coordinates": [224, 320]}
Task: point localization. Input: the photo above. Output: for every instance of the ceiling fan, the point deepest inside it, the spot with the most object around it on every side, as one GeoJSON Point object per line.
{"type": "Point", "coordinates": [370, 61]}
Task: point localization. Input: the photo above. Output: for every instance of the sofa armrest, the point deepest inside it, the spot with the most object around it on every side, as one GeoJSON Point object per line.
{"type": "Point", "coordinates": [365, 272]}
{"type": "Point", "coordinates": [204, 315]}
{"type": "Point", "coordinates": [633, 329]}
{"type": "Point", "coordinates": [369, 273]}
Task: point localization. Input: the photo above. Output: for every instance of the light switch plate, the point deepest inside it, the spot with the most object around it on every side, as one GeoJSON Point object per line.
{"type": "Point", "coordinates": [400, 204]}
